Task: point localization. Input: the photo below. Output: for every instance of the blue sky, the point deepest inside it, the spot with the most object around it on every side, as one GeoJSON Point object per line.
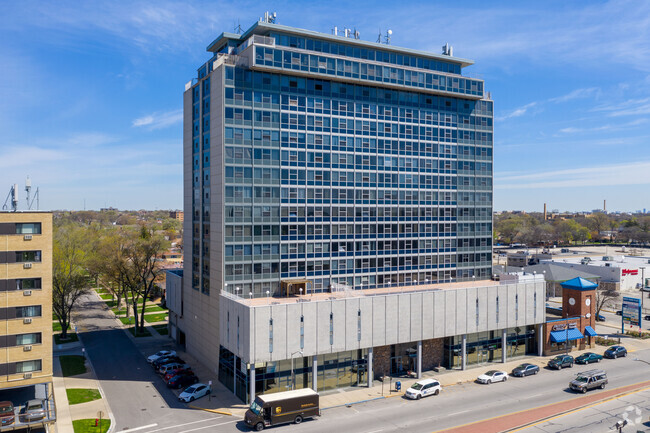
{"type": "Point", "coordinates": [91, 92]}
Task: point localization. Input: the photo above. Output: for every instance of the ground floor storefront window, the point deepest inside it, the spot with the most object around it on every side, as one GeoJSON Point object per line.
{"type": "Point", "coordinates": [486, 347]}
{"type": "Point", "coordinates": [336, 370]}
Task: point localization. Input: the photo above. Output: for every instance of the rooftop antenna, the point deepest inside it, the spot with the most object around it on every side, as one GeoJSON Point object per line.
{"type": "Point", "coordinates": [379, 37]}
{"type": "Point", "coordinates": [28, 188]}
{"type": "Point", "coordinates": [389, 33]}
{"type": "Point", "coordinates": [447, 50]}
{"type": "Point", "coordinates": [269, 17]}
{"type": "Point", "coordinates": [13, 197]}
{"type": "Point", "coordinates": [37, 198]}
{"type": "Point", "coordinates": [238, 28]}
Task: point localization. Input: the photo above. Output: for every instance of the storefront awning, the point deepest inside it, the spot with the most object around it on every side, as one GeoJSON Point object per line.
{"type": "Point", "coordinates": [590, 331]}
{"type": "Point", "coordinates": [561, 336]}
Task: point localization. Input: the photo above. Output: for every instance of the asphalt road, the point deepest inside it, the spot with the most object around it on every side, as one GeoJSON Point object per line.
{"type": "Point", "coordinates": [634, 407]}
{"type": "Point", "coordinates": [136, 395]}
{"type": "Point", "coordinates": [139, 400]}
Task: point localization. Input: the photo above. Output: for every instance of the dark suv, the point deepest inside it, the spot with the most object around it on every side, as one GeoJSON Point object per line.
{"type": "Point", "coordinates": [589, 380]}
{"type": "Point", "coordinates": [561, 361]}
{"type": "Point", "coordinates": [616, 352]}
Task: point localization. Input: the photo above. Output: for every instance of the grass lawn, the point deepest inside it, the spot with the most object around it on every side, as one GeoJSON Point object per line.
{"type": "Point", "coordinates": [88, 426]}
{"type": "Point", "coordinates": [125, 320]}
{"type": "Point", "coordinates": [152, 318]}
{"type": "Point", "coordinates": [71, 338]}
{"type": "Point", "coordinates": [153, 308]}
{"type": "Point", "coordinates": [161, 329]}
{"type": "Point", "coordinates": [106, 296]}
{"type": "Point", "coordinates": [82, 395]}
{"type": "Point", "coordinates": [72, 365]}
{"type": "Point", "coordinates": [110, 304]}
{"type": "Point", "coordinates": [143, 333]}
{"type": "Point", "coordinates": [56, 327]}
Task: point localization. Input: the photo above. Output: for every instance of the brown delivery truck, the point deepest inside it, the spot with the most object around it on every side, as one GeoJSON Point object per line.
{"type": "Point", "coordinates": [282, 408]}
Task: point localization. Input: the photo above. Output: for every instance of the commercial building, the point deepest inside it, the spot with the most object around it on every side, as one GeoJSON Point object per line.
{"type": "Point", "coordinates": [338, 196]}
{"type": "Point", "coordinates": [26, 306]}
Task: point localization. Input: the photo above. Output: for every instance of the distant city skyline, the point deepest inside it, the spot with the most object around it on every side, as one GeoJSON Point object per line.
{"type": "Point", "coordinates": [90, 93]}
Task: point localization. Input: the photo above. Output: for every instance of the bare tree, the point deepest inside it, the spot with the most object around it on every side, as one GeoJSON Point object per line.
{"type": "Point", "coordinates": [69, 278]}
{"type": "Point", "coordinates": [603, 296]}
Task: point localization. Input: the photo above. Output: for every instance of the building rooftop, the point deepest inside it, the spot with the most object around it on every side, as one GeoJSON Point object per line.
{"type": "Point", "coordinates": [264, 28]}
{"type": "Point", "coordinates": [343, 294]}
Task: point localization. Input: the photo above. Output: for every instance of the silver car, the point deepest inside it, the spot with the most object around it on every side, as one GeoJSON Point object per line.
{"type": "Point", "coordinates": [33, 410]}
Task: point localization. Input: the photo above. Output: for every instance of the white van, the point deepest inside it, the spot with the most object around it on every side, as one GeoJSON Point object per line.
{"type": "Point", "coordinates": [423, 388]}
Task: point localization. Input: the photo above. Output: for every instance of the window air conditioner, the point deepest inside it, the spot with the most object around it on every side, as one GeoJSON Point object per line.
{"type": "Point", "coordinates": [27, 376]}
{"type": "Point", "coordinates": [27, 348]}
{"type": "Point", "coordinates": [27, 293]}
{"type": "Point", "coordinates": [27, 265]}
{"type": "Point", "coordinates": [27, 320]}
{"type": "Point", "coordinates": [28, 237]}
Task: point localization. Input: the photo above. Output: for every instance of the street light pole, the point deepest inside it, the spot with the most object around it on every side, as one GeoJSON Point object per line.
{"type": "Point", "coordinates": [293, 378]}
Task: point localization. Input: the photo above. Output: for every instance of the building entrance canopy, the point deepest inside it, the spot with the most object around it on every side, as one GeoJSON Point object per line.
{"type": "Point", "coordinates": [561, 336]}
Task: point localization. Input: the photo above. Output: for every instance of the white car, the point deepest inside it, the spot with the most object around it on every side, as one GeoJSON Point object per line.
{"type": "Point", "coordinates": [493, 376]}
{"type": "Point", "coordinates": [195, 391]}
{"type": "Point", "coordinates": [423, 388]}
{"type": "Point", "coordinates": [160, 354]}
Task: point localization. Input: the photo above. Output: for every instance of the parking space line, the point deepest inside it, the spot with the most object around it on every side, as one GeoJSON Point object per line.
{"type": "Point", "coordinates": [181, 425]}
{"type": "Point", "coordinates": [138, 428]}
{"type": "Point", "coordinates": [207, 426]}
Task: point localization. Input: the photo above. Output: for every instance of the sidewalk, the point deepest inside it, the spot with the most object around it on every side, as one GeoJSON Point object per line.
{"type": "Point", "coordinates": [67, 413]}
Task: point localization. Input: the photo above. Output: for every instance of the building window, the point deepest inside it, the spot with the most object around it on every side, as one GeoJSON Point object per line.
{"type": "Point", "coordinates": [28, 284]}
{"type": "Point", "coordinates": [270, 335]}
{"type": "Point", "coordinates": [27, 366]}
{"type": "Point", "coordinates": [516, 307]}
{"type": "Point", "coordinates": [359, 325]}
{"type": "Point", "coordinates": [27, 339]}
{"type": "Point", "coordinates": [302, 332]}
{"type": "Point", "coordinates": [497, 309]}
{"type": "Point", "coordinates": [28, 228]}
{"type": "Point", "coordinates": [28, 256]}
{"type": "Point", "coordinates": [331, 329]}
{"type": "Point", "coordinates": [477, 312]}
{"type": "Point", "coordinates": [30, 311]}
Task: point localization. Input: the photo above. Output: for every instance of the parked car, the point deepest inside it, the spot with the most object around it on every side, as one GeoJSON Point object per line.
{"type": "Point", "coordinates": [561, 361]}
{"type": "Point", "coordinates": [182, 379]}
{"type": "Point", "coordinates": [195, 391]}
{"type": "Point", "coordinates": [33, 410]}
{"type": "Point", "coordinates": [619, 312]}
{"type": "Point", "coordinates": [614, 352]}
{"type": "Point", "coordinates": [525, 370]}
{"type": "Point", "coordinates": [166, 360]}
{"type": "Point", "coordinates": [600, 318]}
{"type": "Point", "coordinates": [7, 416]}
{"type": "Point", "coordinates": [164, 369]}
{"type": "Point", "coordinates": [423, 388]}
{"type": "Point", "coordinates": [587, 380]}
{"type": "Point", "coordinates": [492, 376]}
{"type": "Point", "coordinates": [588, 358]}
{"type": "Point", "coordinates": [160, 354]}
{"type": "Point", "coordinates": [176, 372]}
{"type": "Point", "coordinates": [647, 317]}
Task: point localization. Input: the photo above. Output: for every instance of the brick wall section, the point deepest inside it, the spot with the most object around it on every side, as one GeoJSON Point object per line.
{"type": "Point", "coordinates": [381, 361]}
{"type": "Point", "coordinates": [433, 354]}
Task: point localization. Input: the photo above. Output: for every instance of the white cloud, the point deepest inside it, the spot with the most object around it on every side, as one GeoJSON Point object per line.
{"type": "Point", "coordinates": [632, 173]}
{"type": "Point", "coordinates": [577, 94]}
{"type": "Point", "coordinates": [518, 112]}
{"type": "Point", "coordinates": [159, 120]}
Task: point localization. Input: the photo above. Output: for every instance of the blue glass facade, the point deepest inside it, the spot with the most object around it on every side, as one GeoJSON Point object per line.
{"type": "Point", "coordinates": [342, 165]}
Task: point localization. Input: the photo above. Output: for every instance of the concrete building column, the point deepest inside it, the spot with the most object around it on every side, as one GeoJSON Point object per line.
{"type": "Point", "coordinates": [251, 381]}
{"type": "Point", "coordinates": [314, 373]}
{"type": "Point", "coordinates": [540, 339]}
{"type": "Point", "coordinates": [369, 368]}
{"type": "Point", "coordinates": [463, 353]}
{"type": "Point", "coordinates": [419, 367]}
{"type": "Point", "coordinates": [504, 345]}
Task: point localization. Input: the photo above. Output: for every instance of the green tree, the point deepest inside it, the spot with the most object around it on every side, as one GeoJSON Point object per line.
{"type": "Point", "coordinates": [69, 278]}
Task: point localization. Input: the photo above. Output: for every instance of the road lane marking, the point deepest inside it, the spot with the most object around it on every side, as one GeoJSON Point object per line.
{"type": "Point", "coordinates": [181, 425]}
{"type": "Point", "coordinates": [138, 428]}
{"type": "Point", "coordinates": [578, 409]}
{"type": "Point", "coordinates": [208, 426]}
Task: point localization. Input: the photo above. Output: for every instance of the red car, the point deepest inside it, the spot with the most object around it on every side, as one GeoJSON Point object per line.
{"type": "Point", "coordinates": [7, 416]}
{"type": "Point", "coordinates": [178, 371]}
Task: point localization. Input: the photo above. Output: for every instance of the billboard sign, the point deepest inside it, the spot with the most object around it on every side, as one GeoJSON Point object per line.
{"type": "Point", "coordinates": [632, 311]}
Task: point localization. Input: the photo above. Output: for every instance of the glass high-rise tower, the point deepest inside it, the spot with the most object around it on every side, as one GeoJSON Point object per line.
{"type": "Point", "coordinates": [319, 164]}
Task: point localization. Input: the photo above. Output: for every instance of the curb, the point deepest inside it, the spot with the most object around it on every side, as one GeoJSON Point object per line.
{"type": "Point", "coordinates": [613, 397]}
{"type": "Point", "coordinates": [359, 402]}
{"type": "Point", "coordinates": [220, 412]}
